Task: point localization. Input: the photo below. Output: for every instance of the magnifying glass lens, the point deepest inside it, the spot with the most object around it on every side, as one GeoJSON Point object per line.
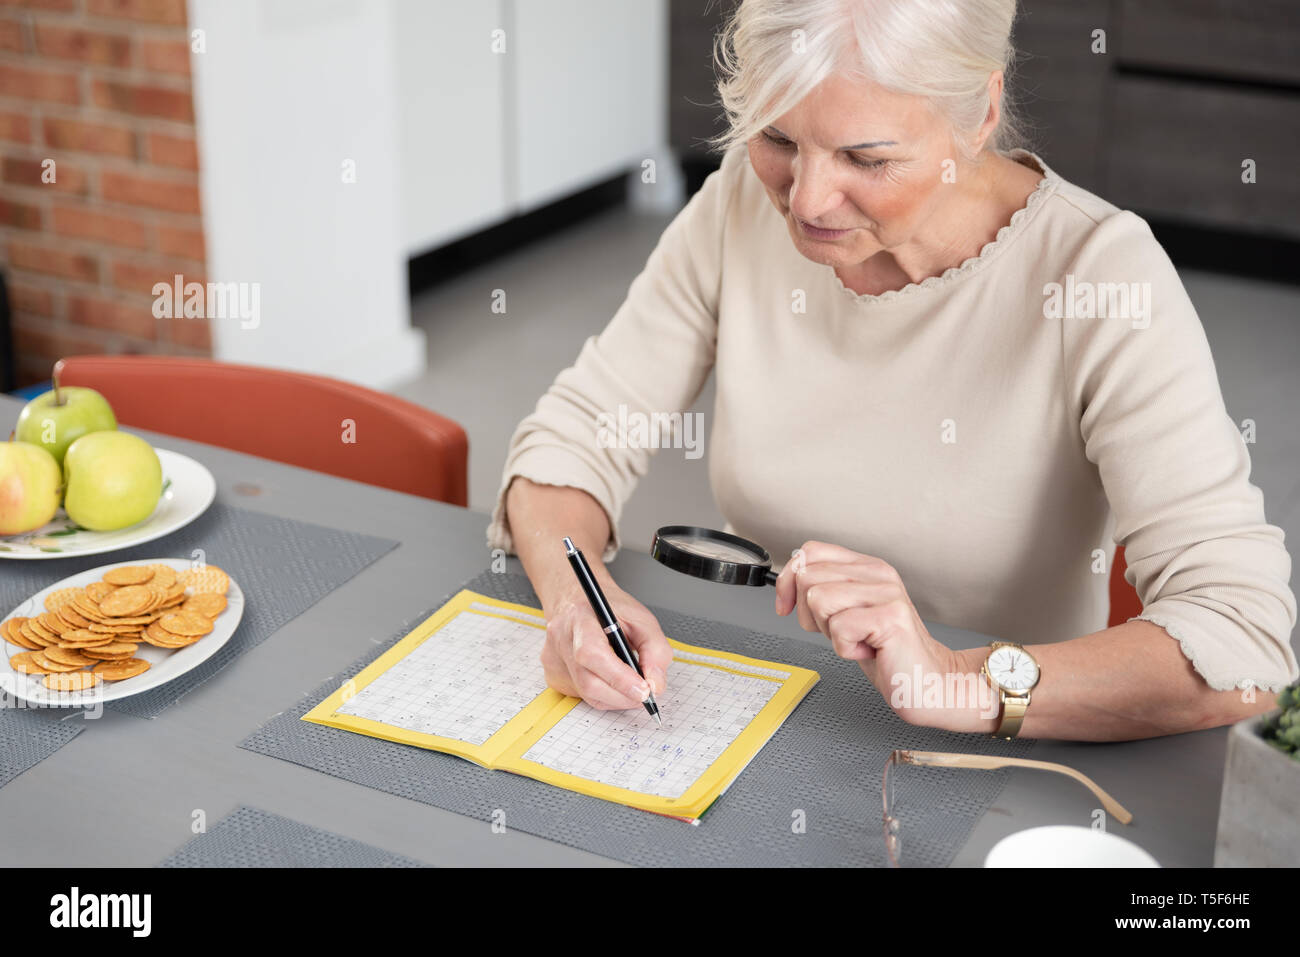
{"type": "Point", "coordinates": [713, 548]}
{"type": "Point", "coordinates": [712, 555]}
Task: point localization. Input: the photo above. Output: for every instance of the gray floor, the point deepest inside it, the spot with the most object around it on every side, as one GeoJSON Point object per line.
{"type": "Point", "coordinates": [486, 370]}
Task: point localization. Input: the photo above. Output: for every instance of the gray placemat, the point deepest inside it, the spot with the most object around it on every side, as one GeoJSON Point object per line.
{"type": "Point", "coordinates": [29, 736]}
{"type": "Point", "coordinates": [251, 837]}
{"type": "Point", "coordinates": [283, 566]}
{"type": "Point", "coordinates": [811, 797]}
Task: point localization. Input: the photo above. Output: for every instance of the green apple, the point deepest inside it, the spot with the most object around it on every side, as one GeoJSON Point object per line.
{"type": "Point", "coordinates": [30, 485]}
{"type": "Point", "coordinates": [57, 418]}
{"type": "Point", "coordinates": [111, 480]}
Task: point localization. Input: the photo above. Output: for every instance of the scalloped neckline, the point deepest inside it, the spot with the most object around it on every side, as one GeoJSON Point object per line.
{"type": "Point", "coordinates": [1046, 185]}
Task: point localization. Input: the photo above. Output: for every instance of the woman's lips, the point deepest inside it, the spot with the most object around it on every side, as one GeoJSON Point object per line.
{"type": "Point", "coordinates": [812, 232]}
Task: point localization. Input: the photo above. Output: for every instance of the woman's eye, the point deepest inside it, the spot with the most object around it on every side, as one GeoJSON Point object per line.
{"type": "Point", "coordinates": [783, 143]}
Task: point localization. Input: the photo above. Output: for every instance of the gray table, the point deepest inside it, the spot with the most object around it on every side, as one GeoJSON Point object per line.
{"type": "Point", "coordinates": [125, 792]}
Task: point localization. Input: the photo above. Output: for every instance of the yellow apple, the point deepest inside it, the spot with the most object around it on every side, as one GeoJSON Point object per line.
{"type": "Point", "coordinates": [29, 487]}
{"type": "Point", "coordinates": [112, 480]}
{"type": "Point", "coordinates": [57, 418]}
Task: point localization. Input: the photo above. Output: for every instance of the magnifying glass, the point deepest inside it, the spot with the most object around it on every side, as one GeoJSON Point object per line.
{"type": "Point", "coordinates": [712, 555]}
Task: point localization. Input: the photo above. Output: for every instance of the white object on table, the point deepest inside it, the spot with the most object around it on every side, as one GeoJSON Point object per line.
{"type": "Point", "coordinates": [1063, 845]}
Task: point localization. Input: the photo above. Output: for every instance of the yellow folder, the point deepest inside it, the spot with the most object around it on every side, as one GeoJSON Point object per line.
{"type": "Point", "coordinates": [468, 681]}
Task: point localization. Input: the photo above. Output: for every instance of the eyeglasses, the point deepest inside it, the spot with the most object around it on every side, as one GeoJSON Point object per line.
{"type": "Point", "coordinates": [944, 759]}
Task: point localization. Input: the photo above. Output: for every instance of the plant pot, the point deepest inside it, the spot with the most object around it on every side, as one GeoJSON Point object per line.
{"type": "Point", "coordinates": [1259, 812]}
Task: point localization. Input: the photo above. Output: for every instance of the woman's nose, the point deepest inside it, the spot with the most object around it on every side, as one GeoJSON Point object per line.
{"type": "Point", "coordinates": [813, 198]}
{"type": "Point", "coordinates": [813, 193]}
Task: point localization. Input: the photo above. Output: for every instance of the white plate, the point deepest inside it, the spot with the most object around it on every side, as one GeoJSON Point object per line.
{"type": "Point", "coordinates": [164, 664]}
{"type": "Point", "coordinates": [1061, 845]}
{"type": "Point", "coordinates": [188, 490]}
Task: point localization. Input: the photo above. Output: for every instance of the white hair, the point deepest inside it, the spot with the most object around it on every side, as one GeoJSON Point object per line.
{"type": "Point", "coordinates": [770, 54]}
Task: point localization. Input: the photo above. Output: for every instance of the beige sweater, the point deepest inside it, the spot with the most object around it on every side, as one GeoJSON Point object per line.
{"type": "Point", "coordinates": [990, 436]}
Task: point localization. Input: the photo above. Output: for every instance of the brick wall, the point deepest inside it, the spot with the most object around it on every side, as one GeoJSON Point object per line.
{"type": "Point", "coordinates": [102, 88]}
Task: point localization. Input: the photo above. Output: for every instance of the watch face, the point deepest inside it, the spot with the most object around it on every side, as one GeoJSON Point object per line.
{"type": "Point", "coordinates": [1013, 668]}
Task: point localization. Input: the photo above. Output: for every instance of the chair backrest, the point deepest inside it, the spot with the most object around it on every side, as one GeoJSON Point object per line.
{"type": "Point", "coordinates": [1124, 600]}
{"type": "Point", "coordinates": [305, 420]}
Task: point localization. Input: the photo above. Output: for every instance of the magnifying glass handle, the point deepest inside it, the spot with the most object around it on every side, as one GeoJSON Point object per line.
{"type": "Point", "coordinates": [769, 578]}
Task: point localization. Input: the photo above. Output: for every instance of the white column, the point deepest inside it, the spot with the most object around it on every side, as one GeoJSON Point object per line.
{"type": "Point", "coordinates": [294, 98]}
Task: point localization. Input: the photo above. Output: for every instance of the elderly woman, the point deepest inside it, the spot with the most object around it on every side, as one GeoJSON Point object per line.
{"type": "Point", "coordinates": [948, 382]}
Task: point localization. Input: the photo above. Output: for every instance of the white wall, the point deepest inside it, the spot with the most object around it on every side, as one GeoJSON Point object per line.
{"type": "Point", "coordinates": [590, 92]}
{"type": "Point", "coordinates": [286, 91]}
{"type": "Point", "coordinates": [577, 93]}
{"type": "Point", "coordinates": [448, 137]}
{"type": "Point", "coordinates": [451, 110]}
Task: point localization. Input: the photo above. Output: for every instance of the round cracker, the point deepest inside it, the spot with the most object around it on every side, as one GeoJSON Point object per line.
{"type": "Point", "coordinates": [98, 591]}
{"type": "Point", "coordinates": [73, 617]}
{"type": "Point", "coordinates": [205, 579]}
{"type": "Point", "coordinates": [11, 633]}
{"type": "Point", "coordinates": [23, 662]}
{"type": "Point", "coordinates": [163, 575]}
{"type": "Point", "coordinates": [72, 681]}
{"type": "Point", "coordinates": [126, 601]}
{"type": "Point", "coordinates": [57, 599]}
{"type": "Point", "coordinates": [121, 670]}
{"type": "Point", "coordinates": [84, 639]}
{"type": "Point", "coordinates": [66, 656]}
{"type": "Point", "coordinates": [128, 575]}
{"type": "Point", "coordinates": [206, 604]}
{"type": "Point", "coordinates": [97, 655]}
{"type": "Point", "coordinates": [38, 626]}
{"type": "Point", "coordinates": [87, 608]}
{"type": "Point", "coordinates": [160, 637]}
{"type": "Point", "coordinates": [186, 624]}
{"type": "Point", "coordinates": [49, 664]}
{"type": "Point", "coordinates": [34, 636]}
{"type": "Point", "coordinates": [53, 623]}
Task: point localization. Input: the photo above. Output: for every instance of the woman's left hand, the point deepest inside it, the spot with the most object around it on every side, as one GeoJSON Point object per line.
{"type": "Point", "coordinates": [860, 604]}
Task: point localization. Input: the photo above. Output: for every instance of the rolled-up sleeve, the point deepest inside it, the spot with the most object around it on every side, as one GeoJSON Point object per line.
{"type": "Point", "coordinates": [1208, 567]}
{"type": "Point", "coordinates": [652, 359]}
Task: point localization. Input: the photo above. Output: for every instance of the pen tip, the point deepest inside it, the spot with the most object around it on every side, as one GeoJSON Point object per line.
{"type": "Point", "coordinates": [658, 720]}
{"type": "Point", "coordinates": [568, 546]}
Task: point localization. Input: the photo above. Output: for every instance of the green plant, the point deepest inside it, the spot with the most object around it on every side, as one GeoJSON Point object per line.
{"type": "Point", "coordinates": [1281, 728]}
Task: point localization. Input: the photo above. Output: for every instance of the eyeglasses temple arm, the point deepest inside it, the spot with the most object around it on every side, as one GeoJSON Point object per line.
{"type": "Point", "coordinates": [990, 763]}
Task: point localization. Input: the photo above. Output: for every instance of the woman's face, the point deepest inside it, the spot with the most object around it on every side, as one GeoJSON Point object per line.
{"type": "Point", "coordinates": [855, 169]}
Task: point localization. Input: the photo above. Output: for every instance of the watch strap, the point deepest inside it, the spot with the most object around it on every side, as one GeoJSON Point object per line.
{"type": "Point", "coordinates": [1013, 715]}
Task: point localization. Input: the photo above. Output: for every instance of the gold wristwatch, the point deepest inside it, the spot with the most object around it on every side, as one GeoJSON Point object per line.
{"type": "Point", "coordinates": [1013, 672]}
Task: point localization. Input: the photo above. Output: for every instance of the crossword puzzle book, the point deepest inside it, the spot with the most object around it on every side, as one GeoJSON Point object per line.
{"type": "Point", "coordinates": [468, 681]}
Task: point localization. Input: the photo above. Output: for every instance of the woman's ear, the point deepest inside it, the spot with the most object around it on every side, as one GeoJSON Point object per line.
{"type": "Point", "coordinates": [994, 114]}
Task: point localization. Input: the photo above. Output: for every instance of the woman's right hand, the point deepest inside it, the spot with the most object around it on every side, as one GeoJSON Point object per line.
{"type": "Point", "coordinates": [579, 661]}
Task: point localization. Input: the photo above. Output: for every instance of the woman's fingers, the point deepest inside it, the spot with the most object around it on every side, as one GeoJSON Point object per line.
{"type": "Point", "coordinates": [850, 631]}
{"type": "Point", "coordinates": [578, 659]}
{"type": "Point", "coordinates": [596, 669]}
{"type": "Point", "coordinates": [872, 572]}
{"type": "Point", "coordinates": [651, 647]}
{"type": "Point", "coordinates": [824, 600]}
{"type": "Point", "coordinates": [815, 562]}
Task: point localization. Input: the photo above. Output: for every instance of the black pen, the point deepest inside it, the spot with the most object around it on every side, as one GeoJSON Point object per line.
{"type": "Point", "coordinates": [605, 615]}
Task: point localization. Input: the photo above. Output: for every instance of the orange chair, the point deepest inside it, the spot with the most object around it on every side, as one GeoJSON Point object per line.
{"type": "Point", "coordinates": [1124, 600]}
{"type": "Point", "coordinates": [290, 417]}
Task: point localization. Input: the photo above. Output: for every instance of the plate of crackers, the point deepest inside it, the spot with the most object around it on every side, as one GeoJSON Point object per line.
{"type": "Point", "coordinates": [117, 630]}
